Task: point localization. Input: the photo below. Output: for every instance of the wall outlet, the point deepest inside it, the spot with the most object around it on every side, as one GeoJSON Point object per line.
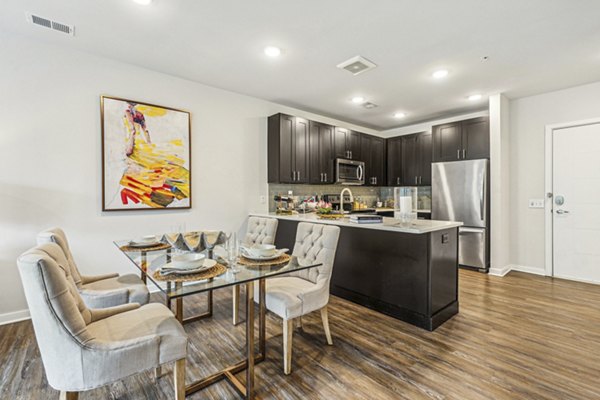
{"type": "Point", "coordinates": [536, 203]}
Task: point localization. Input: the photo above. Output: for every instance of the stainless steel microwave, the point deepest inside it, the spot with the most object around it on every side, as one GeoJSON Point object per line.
{"type": "Point", "coordinates": [349, 172]}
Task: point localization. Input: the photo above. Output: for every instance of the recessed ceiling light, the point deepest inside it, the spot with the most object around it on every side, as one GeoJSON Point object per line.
{"type": "Point", "coordinates": [143, 2]}
{"type": "Point", "coordinates": [474, 97]}
{"type": "Point", "coordinates": [442, 73]}
{"type": "Point", "coordinates": [399, 115]}
{"type": "Point", "coordinates": [272, 51]}
{"type": "Point", "coordinates": [358, 99]}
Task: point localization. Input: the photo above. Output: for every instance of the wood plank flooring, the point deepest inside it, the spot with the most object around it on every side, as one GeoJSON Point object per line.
{"type": "Point", "coordinates": [517, 337]}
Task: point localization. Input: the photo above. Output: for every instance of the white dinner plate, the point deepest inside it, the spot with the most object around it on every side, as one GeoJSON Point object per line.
{"type": "Point", "coordinates": [277, 254]}
{"type": "Point", "coordinates": [208, 263]}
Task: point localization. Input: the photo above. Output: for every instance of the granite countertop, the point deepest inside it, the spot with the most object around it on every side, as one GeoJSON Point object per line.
{"type": "Point", "coordinates": [389, 224]}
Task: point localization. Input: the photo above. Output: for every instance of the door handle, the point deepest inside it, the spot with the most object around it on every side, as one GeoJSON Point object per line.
{"type": "Point", "coordinates": [359, 172]}
{"type": "Point", "coordinates": [562, 212]}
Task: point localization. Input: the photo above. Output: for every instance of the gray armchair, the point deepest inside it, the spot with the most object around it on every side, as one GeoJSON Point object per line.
{"type": "Point", "coordinates": [260, 231]}
{"type": "Point", "coordinates": [101, 290]}
{"type": "Point", "coordinates": [299, 293]}
{"type": "Point", "coordinates": [85, 348]}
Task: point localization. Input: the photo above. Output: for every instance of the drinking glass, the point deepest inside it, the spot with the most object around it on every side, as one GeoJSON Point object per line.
{"type": "Point", "coordinates": [233, 252]}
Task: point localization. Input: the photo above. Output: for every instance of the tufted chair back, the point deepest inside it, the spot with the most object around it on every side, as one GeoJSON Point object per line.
{"type": "Point", "coordinates": [316, 243]}
{"type": "Point", "coordinates": [59, 316]}
{"type": "Point", "coordinates": [57, 235]}
{"type": "Point", "coordinates": [261, 231]}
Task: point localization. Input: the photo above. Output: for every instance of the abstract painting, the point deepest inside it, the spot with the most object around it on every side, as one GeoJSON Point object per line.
{"type": "Point", "coordinates": [146, 156]}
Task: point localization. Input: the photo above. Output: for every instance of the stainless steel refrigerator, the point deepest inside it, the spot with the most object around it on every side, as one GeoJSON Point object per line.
{"type": "Point", "coordinates": [460, 192]}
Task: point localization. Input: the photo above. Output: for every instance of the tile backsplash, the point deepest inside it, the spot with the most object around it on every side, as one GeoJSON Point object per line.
{"type": "Point", "coordinates": [366, 194]}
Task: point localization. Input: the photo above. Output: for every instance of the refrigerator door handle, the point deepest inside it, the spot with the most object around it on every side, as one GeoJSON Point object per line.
{"type": "Point", "coordinates": [482, 199]}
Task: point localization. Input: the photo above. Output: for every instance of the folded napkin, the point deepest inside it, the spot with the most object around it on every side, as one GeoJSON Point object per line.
{"type": "Point", "coordinates": [164, 271]}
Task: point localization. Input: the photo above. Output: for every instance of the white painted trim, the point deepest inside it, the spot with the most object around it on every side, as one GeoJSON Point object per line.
{"type": "Point", "coordinates": [15, 316]}
{"type": "Point", "coordinates": [549, 268]}
{"type": "Point", "coordinates": [530, 270]}
{"type": "Point", "coordinates": [521, 268]}
{"type": "Point", "coordinates": [500, 271]}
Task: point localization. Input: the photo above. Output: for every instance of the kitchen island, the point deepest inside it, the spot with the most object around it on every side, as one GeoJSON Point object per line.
{"type": "Point", "coordinates": [409, 272]}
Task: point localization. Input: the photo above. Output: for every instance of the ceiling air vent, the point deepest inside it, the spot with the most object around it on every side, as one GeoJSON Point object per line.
{"type": "Point", "coordinates": [48, 23]}
{"type": "Point", "coordinates": [368, 105]}
{"type": "Point", "coordinates": [357, 65]}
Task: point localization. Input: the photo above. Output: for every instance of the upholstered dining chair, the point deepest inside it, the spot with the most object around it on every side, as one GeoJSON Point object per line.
{"type": "Point", "coordinates": [85, 348]}
{"type": "Point", "coordinates": [300, 293]}
{"type": "Point", "coordinates": [259, 231]}
{"type": "Point", "coordinates": [99, 291]}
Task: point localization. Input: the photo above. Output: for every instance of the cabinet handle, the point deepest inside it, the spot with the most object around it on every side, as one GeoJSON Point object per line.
{"type": "Point", "coordinates": [350, 154]}
{"type": "Point", "coordinates": [293, 176]}
{"type": "Point", "coordinates": [397, 180]}
{"type": "Point", "coordinates": [321, 177]}
{"type": "Point", "coordinates": [375, 180]}
{"type": "Point", "coordinates": [325, 176]}
{"type": "Point", "coordinates": [416, 180]}
{"type": "Point", "coordinates": [458, 154]}
{"type": "Point", "coordinates": [298, 175]}
{"type": "Point", "coordinates": [464, 154]}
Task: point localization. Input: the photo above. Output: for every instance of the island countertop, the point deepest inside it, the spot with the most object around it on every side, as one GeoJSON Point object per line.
{"type": "Point", "coordinates": [419, 226]}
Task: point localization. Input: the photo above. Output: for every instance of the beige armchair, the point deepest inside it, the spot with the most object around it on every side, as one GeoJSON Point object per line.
{"type": "Point", "coordinates": [85, 348]}
{"type": "Point", "coordinates": [299, 293]}
{"type": "Point", "coordinates": [260, 231]}
{"type": "Point", "coordinates": [99, 291]}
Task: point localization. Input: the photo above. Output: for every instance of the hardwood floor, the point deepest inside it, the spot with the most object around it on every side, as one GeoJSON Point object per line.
{"type": "Point", "coordinates": [517, 337]}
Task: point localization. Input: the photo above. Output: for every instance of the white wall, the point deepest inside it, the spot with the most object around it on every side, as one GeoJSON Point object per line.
{"type": "Point", "coordinates": [500, 184]}
{"type": "Point", "coordinates": [426, 126]}
{"type": "Point", "coordinates": [50, 155]}
{"type": "Point", "coordinates": [529, 117]}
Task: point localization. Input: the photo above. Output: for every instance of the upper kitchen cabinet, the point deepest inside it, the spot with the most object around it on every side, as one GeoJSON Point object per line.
{"type": "Point", "coordinates": [346, 143]}
{"type": "Point", "coordinates": [462, 140]}
{"type": "Point", "coordinates": [372, 151]}
{"type": "Point", "coordinates": [394, 161]}
{"type": "Point", "coordinates": [416, 159]}
{"type": "Point", "coordinates": [320, 153]}
{"type": "Point", "coordinates": [288, 149]}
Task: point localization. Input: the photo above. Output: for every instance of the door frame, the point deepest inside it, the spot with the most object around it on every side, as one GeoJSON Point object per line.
{"type": "Point", "coordinates": [549, 201]}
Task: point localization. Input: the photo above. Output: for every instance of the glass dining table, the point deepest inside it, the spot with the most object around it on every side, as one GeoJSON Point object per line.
{"type": "Point", "coordinates": [150, 261]}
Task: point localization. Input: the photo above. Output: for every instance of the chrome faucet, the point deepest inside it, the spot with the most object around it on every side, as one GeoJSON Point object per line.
{"type": "Point", "coordinates": [342, 199]}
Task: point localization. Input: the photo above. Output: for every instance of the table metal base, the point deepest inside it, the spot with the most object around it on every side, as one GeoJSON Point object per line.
{"type": "Point", "coordinates": [228, 373]}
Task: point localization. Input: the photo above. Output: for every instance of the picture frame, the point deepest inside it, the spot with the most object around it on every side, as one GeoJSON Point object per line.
{"type": "Point", "coordinates": [146, 156]}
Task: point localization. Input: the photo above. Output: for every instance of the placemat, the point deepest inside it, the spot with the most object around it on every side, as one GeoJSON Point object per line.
{"type": "Point", "coordinates": [154, 247]}
{"type": "Point", "coordinates": [282, 259]}
{"type": "Point", "coordinates": [216, 270]}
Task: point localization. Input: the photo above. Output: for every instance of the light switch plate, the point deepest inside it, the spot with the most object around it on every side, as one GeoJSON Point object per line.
{"type": "Point", "coordinates": [263, 199]}
{"type": "Point", "coordinates": [536, 203]}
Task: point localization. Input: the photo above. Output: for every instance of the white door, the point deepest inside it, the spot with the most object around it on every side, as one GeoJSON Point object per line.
{"type": "Point", "coordinates": [576, 202]}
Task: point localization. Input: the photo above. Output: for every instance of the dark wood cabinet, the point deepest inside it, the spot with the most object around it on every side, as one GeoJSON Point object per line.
{"type": "Point", "coordinates": [321, 153]}
{"type": "Point", "coordinates": [416, 159]}
{"type": "Point", "coordinates": [288, 152]}
{"type": "Point", "coordinates": [409, 160]}
{"type": "Point", "coordinates": [476, 138]}
{"type": "Point", "coordinates": [372, 151]}
{"type": "Point", "coordinates": [425, 148]}
{"type": "Point", "coordinates": [462, 140]}
{"type": "Point", "coordinates": [394, 161]}
{"type": "Point", "coordinates": [346, 143]}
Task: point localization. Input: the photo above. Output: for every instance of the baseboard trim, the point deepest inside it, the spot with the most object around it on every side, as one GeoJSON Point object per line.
{"type": "Point", "coordinates": [15, 316]}
{"type": "Point", "coordinates": [500, 271]}
{"type": "Point", "coordinates": [520, 268]}
{"type": "Point", "coordinates": [529, 270]}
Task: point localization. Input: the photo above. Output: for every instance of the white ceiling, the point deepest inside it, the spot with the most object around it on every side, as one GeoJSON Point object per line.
{"type": "Point", "coordinates": [533, 46]}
